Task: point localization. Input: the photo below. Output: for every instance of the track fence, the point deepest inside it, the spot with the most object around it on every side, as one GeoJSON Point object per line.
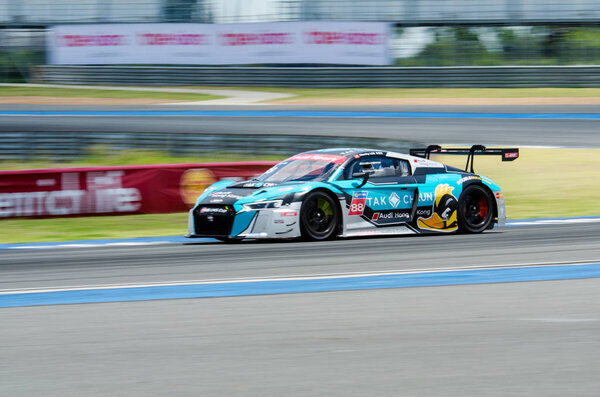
{"type": "Point", "coordinates": [335, 77]}
{"type": "Point", "coordinates": [64, 146]}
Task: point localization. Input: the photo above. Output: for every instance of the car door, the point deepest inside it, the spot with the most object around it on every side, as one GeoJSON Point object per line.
{"type": "Point", "coordinates": [388, 197]}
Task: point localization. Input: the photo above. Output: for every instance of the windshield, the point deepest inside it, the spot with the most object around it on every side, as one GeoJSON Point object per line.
{"type": "Point", "coordinates": [303, 167]}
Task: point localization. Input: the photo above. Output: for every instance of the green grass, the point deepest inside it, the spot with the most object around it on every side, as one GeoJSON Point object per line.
{"type": "Point", "coordinates": [100, 156]}
{"type": "Point", "coordinates": [320, 93]}
{"type": "Point", "coordinates": [312, 93]}
{"type": "Point", "coordinates": [96, 227]}
{"type": "Point", "coordinates": [541, 183]}
{"type": "Point", "coordinates": [92, 93]}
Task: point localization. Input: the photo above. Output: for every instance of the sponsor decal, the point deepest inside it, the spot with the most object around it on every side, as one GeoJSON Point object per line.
{"type": "Point", "coordinates": [424, 213]}
{"type": "Point", "coordinates": [366, 232]}
{"type": "Point", "coordinates": [69, 202]}
{"type": "Point", "coordinates": [346, 38]}
{"type": "Point", "coordinates": [387, 217]}
{"type": "Point", "coordinates": [289, 213]}
{"type": "Point", "coordinates": [104, 194]}
{"type": "Point", "coordinates": [393, 215]}
{"type": "Point", "coordinates": [215, 210]}
{"type": "Point", "coordinates": [225, 194]}
{"type": "Point", "coordinates": [86, 40]}
{"type": "Point", "coordinates": [394, 200]}
{"type": "Point", "coordinates": [377, 201]}
{"type": "Point", "coordinates": [511, 155]}
{"type": "Point", "coordinates": [467, 178]}
{"type": "Point", "coordinates": [243, 39]}
{"type": "Point", "coordinates": [425, 196]}
{"type": "Point", "coordinates": [443, 216]}
{"type": "Point", "coordinates": [197, 43]}
{"type": "Point", "coordinates": [172, 39]}
{"type": "Point", "coordinates": [499, 195]}
{"type": "Point", "coordinates": [357, 205]}
{"type": "Point", "coordinates": [377, 153]}
{"type": "Point", "coordinates": [193, 182]}
{"type": "Point", "coordinates": [330, 158]}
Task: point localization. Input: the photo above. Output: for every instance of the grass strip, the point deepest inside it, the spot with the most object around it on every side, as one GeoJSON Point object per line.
{"type": "Point", "coordinates": [92, 93]}
{"type": "Point", "coordinates": [315, 93]}
{"type": "Point", "coordinates": [346, 93]}
{"type": "Point", "coordinates": [14, 231]}
{"type": "Point", "coordinates": [98, 156]}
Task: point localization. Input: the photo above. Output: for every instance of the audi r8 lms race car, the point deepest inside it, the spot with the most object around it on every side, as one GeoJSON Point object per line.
{"type": "Point", "coordinates": [331, 193]}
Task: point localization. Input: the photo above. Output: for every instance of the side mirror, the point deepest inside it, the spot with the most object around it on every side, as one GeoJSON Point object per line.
{"type": "Point", "coordinates": [363, 175]}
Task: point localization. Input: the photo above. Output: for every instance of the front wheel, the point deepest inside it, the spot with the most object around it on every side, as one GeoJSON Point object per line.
{"type": "Point", "coordinates": [318, 217]}
{"type": "Point", "coordinates": [475, 209]}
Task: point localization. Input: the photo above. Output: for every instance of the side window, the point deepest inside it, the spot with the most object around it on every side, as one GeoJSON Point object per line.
{"type": "Point", "coordinates": [380, 168]}
{"type": "Point", "coordinates": [404, 168]}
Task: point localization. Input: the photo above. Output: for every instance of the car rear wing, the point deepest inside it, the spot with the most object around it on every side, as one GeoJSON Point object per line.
{"type": "Point", "coordinates": [508, 154]}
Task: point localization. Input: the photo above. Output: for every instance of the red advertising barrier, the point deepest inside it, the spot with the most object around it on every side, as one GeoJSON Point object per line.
{"type": "Point", "coordinates": [142, 189]}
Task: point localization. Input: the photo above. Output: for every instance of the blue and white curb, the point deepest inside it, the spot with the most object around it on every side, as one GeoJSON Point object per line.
{"type": "Point", "coordinates": [306, 284]}
{"type": "Point", "coordinates": [141, 241]}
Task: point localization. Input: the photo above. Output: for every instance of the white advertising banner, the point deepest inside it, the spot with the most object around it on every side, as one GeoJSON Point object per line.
{"type": "Point", "coordinates": [354, 43]}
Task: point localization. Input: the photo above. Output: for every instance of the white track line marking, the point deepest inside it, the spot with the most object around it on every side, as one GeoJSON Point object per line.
{"type": "Point", "coordinates": [323, 276]}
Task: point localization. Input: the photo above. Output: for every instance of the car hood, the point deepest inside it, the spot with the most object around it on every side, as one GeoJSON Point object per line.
{"type": "Point", "coordinates": [227, 192]}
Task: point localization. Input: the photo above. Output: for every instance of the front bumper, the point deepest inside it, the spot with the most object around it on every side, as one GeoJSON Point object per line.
{"type": "Point", "coordinates": [264, 223]}
{"type": "Point", "coordinates": [501, 208]}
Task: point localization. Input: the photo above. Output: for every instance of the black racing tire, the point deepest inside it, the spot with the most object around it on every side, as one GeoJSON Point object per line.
{"type": "Point", "coordinates": [319, 217]}
{"type": "Point", "coordinates": [475, 209]}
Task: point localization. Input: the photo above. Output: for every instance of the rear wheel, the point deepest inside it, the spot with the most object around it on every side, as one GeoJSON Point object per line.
{"type": "Point", "coordinates": [318, 217]}
{"type": "Point", "coordinates": [475, 209]}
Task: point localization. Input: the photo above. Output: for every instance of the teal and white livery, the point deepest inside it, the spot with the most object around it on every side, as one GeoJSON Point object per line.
{"type": "Point", "coordinates": [331, 193]}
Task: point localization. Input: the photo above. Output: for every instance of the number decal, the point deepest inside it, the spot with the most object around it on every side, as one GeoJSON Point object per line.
{"type": "Point", "coordinates": [357, 205]}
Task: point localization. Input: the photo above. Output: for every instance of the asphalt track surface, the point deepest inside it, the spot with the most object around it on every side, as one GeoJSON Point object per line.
{"type": "Point", "coordinates": [529, 338]}
{"type": "Point", "coordinates": [457, 130]}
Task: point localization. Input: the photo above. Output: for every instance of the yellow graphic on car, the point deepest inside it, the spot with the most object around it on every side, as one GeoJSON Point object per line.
{"type": "Point", "coordinates": [445, 206]}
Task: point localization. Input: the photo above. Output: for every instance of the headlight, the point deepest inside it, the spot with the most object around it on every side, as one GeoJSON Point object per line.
{"type": "Point", "coordinates": [260, 205]}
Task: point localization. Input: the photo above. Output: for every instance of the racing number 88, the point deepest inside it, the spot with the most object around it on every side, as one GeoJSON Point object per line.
{"type": "Point", "coordinates": [357, 207]}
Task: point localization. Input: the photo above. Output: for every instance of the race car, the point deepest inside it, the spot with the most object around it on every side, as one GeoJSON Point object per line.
{"type": "Point", "coordinates": [323, 194]}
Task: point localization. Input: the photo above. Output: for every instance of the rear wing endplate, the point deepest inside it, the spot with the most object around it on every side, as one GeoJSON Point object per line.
{"type": "Point", "coordinates": [508, 154]}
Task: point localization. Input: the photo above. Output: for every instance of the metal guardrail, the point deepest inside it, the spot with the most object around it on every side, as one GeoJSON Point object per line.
{"type": "Point", "coordinates": [70, 145]}
{"type": "Point", "coordinates": [407, 12]}
{"type": "Point", "coordinates": [341, 77]}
